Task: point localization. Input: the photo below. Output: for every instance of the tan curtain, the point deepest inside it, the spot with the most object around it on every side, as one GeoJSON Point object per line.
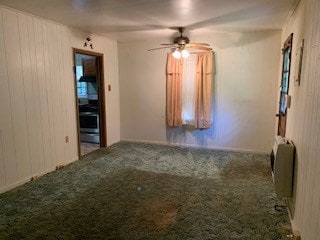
{"type": "Point", "coordinates": [204, 90]}
{"type": "Point", "coordinates": [174, 91]}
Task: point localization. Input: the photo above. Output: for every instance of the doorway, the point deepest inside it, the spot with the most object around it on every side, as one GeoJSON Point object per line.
{"type": "Point", "coordinates": [90, 104]}
{"type": "Point", "coordinates": [284, 88]}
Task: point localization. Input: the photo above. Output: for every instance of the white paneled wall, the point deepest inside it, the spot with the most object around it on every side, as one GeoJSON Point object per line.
{"type": "Point", "coordinates": [37, 99]}
{"type": "Point", "coordinates": [304, 118]}
{"type": "Point", "coordinates": [245, 92]}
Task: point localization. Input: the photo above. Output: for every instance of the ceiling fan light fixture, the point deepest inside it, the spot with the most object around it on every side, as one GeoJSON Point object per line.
{"type": "Point", "coordinates": [179, 45]}
{"type": "Point", "coordinates": [176, 54]}
{"type": "Point", "coordinates": [185, 53]}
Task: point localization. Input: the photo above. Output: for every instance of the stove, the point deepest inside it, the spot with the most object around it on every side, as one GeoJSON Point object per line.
{"type": "Point", "coordinates": [89, 123]}
{"type": "Point", "coordinates": [88, 108]}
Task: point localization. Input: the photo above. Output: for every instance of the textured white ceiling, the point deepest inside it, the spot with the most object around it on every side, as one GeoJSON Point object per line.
{"type": "Point", "coordinates": [125, 20]}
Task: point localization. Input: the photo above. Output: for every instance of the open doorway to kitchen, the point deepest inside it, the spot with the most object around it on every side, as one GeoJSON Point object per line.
{"type": "Point", "coordinates": [90, 104]}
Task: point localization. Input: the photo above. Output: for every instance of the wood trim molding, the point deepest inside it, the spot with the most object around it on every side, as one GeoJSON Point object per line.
{"type": "Point", "coordinates": [288, 42]}
{"type": "Point", "coordinates": [102, 115]}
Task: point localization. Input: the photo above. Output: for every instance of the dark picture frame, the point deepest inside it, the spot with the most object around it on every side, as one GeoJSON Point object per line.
{"type": "Point", "coordinates": [299, 60]}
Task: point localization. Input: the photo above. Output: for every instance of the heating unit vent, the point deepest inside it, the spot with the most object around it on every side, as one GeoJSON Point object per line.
{"type": "Point", "coordinates": [282, 168]}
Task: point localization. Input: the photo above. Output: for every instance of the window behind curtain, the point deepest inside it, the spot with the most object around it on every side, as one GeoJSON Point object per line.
{"type": "Point", "coordinates": [188, 89]}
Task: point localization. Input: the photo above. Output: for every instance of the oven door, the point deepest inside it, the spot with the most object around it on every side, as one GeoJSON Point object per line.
{"type": "Point", "coordinates": [89, 122]}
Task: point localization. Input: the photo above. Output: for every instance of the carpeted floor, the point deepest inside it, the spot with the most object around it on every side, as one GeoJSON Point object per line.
{"type": "Point", "coordinates": [144, 191]}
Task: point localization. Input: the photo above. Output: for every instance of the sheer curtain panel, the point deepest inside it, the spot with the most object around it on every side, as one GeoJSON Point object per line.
{"type": "Point", "coordinates": [188, 89]}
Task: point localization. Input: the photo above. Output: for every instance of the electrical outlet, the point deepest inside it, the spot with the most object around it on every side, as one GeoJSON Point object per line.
{"type": "Point", "coordinates": [66, 139]}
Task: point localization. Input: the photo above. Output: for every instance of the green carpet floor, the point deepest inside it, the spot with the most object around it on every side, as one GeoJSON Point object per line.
{"type": "Point", "coordinates": [144, 191]}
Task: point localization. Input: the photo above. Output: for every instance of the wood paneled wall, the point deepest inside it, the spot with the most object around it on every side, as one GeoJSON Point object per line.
{"type": "Point", "coordinates": [37, 99]}
{"type": "Point", "coordinates": [304, 119]}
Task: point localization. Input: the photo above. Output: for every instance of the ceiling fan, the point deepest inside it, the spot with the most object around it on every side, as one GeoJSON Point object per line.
{"type": "Point", "coordinates": [182, 42]}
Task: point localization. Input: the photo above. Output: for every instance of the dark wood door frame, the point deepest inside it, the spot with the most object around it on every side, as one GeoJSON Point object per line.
{"type": "Point", "coordinates": [282, 116]}
{"type": "Point", "coordinates": [102, 112]}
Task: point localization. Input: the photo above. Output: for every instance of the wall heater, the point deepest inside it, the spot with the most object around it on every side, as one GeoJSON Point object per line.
{"type": "Point", "coordinates": [282, 163]}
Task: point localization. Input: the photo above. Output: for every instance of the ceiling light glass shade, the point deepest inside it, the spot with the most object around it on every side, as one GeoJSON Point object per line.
{"type": "Point", "coordinates": [176, 54]}
{"type": "Point", "coordinates": [185, 53]}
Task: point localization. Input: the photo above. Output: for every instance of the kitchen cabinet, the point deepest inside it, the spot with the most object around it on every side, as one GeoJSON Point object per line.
{"type": "Point", "coordinates": [89, 67]}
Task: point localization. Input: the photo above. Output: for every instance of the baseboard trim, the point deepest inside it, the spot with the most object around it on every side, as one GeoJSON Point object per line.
{"type": "Point", "coordinates": [197, 146]}
{"type": "Point", "coordinates": [33, 177]}
{"type": "Point", "coordinates": [26, 179]}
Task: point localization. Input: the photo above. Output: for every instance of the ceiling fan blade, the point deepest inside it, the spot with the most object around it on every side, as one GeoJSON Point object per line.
{"type": "Point", "coordinates": [167, 44]}
{"type": "Point", "coordinates": [199, 47]}
{"type": "Point", "coordinates": [203, 44]}
{"type": "Point", "coordinates": [152, 49]}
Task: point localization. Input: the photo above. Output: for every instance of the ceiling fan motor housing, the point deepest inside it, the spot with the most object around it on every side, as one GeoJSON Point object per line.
{"type": "Point", "coordinates": [181, 40]}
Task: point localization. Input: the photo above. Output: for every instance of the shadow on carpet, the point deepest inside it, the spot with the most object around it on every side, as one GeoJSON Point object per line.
{"type": "Point", "coordinates": [121, 193]}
